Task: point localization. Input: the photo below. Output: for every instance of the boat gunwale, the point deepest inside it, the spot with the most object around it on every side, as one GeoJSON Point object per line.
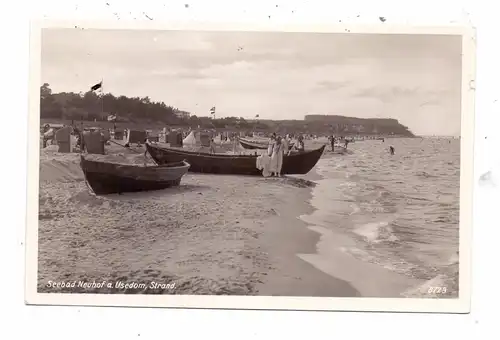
{"type": "Point", "coordinates": [255, 146]}
{"type": "Point", "coordinates": [138, 166]}
{"type": "Point", "coordinates": [258, 145]}
{"type": "Point", "coordinates": [263, 142]}
{"type": "Point", "coordinates": [225, 156]}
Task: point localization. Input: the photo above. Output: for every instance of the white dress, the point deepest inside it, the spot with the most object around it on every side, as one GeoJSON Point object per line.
{"type": "Point", "coordinates": [270, 148]}
{"type": "Point", "coordinates": [277, 158]}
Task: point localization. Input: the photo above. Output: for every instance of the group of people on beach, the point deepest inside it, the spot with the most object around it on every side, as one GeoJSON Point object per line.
{"type": "Point", "coordinates": [280, 146]}
{"type": "Point", "coordinates": [334, 139]}
{"type": "Point", "coordinates": [49, 134]}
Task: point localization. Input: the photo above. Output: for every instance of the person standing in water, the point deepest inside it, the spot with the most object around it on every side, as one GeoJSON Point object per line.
{"type": "Point", "coordinates": [346, 142]}
{"type": "Point", "coordinates": [332, 142]}
{"type": "Point", "coordinates": [391, 150]}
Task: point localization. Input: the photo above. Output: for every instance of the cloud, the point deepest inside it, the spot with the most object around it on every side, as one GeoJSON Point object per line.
{"type": "Point", "coordinates": [328, 85]}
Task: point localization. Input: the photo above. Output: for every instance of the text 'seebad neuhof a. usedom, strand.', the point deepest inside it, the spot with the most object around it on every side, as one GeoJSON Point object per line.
{"type": "Point", "coordinates": [109, 285]}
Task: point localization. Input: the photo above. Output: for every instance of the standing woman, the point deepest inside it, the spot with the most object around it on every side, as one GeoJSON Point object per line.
{"type": "Point", "coordinates": [277, 157]}
{"type": "Point", "coordinates": [270, 147]}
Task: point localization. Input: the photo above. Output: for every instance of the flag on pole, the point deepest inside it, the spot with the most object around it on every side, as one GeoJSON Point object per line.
{"type": "Point", "coordinates": [111, 118]}
{"type": "Point", "coordinates": [96, 86]}
{"type": "Point", "coordinates": [257, 115]}
{"type": "Point", "coordinates": [212, 110]}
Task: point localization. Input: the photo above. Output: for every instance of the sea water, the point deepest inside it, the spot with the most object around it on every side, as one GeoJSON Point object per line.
{"type": "Point", "coordinates": [398, 212]}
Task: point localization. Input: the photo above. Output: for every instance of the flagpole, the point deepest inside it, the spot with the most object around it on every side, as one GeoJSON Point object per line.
{"type": "Point", "coordinates": [102, 97]}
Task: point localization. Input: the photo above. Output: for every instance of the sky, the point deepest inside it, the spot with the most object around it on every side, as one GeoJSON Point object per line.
{"type": "Point", "coordinates": [413, 78]}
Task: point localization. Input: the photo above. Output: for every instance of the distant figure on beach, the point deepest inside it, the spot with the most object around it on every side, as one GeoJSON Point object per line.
{"type": "Point", "coordinates": [78, 135]}
{"type": "Point", "coordinates": [49, 134]}
{"type": "Point", "coordinates": [286, 144]}
{"type": "Point", "coordinates": [300, 144]}
{"type": "Point", "coordinates": [346, 142]}
{"type": "Point", "coordinates": [332, 142]}
{"type": "Point", "coordinates": [391, 150]}
{"type": "Point", "coordinates": [277, 157]}
{"type": "Point", "coordinates": [235, 144]}
{"type": "Point", "coordinates": [212, 146]}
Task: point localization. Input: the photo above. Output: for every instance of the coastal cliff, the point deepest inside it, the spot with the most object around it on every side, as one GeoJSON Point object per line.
{"type": "Point", "coordinates": [363, 126]}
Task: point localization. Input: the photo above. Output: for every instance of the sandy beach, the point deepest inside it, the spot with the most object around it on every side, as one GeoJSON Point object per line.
{"type": "Point", "coordinates": [321, 234]}
{"type": "Point", "coordinates": [232, 235]}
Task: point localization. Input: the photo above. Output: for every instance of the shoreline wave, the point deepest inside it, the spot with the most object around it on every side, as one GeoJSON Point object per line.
{"type": "Point", "coordinates": [371, 212]}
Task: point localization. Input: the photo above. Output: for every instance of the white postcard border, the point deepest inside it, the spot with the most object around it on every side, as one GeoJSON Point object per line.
{"type": "Point", "coordinates": [458, 305]}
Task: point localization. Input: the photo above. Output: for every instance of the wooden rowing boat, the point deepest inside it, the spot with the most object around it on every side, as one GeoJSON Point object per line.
{"type": "Point", "coordinates": [254, 145]}
{"type": "Point", "coordinates": [112, 178]}
{"type": "Point", "coordinates": [296, 163]}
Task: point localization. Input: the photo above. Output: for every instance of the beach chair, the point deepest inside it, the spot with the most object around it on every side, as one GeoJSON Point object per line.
{"type": "Point", "coordinates": [62, 137]}
{"type": "Point", "coordinates": [93, 142]}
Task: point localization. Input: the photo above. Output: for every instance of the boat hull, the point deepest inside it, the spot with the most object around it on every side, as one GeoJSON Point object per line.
{"type": "Point", "coordinates": [105, 184]}
{"type": "Point", "coordinates": [110, 178]}
{"type": "Point", "coordinates": [295, 164]}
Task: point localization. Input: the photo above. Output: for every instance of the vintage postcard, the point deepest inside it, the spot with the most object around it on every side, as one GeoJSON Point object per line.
{"type": "Point", "coordinates": [251, 167]}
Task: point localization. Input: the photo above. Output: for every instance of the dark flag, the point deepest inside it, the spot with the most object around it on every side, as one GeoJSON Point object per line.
{"type": "Point", "coordinates": [96, 86]}
{"type": "Point", "coordinates": [256, 116]}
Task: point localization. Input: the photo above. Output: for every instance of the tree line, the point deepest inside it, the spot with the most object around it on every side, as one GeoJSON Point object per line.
{"type": "Point", "coordinates": [88, 106]}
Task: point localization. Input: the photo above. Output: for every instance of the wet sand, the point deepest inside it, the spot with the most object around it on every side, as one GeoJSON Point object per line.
{"type": "Point", "coordinates": [232, 235]}
{"type": "Point", "coordinates": [285, 237]}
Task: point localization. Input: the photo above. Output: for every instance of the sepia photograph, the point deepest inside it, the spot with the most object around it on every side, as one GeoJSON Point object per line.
{"type": "Point", "coordinates": [224, 167]}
